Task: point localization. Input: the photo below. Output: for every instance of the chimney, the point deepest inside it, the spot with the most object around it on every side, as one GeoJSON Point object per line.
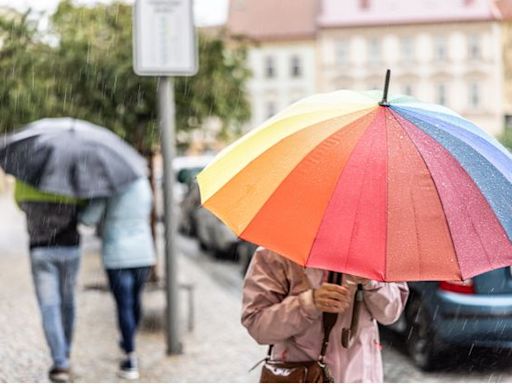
{"type": "Point", "coordinates": [468, 3]}
{"type": "Point", "coordinates": [364, 4]}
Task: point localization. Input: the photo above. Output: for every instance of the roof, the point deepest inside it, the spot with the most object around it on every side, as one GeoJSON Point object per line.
{"type": "Point", "coordinates": [263, 20]}
{"type": "Point", "coordinates": [336, 13]}
{"type": "Point", "coordinates": [505, 9]}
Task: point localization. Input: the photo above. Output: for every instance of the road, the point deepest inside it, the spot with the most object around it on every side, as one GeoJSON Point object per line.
{"type": "Point", "coordinates": [479, 366]}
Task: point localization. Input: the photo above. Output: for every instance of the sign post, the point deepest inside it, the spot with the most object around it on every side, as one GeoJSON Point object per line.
{"type": "Point", "coordinates": [164, 45]}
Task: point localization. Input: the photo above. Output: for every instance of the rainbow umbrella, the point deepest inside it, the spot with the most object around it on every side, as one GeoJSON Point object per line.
{"type": "Point", "coordinates": [396, 190]}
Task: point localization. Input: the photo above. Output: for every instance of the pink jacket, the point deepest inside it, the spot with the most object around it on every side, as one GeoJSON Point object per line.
{"type": "Point", "coordinates": [278, 309]}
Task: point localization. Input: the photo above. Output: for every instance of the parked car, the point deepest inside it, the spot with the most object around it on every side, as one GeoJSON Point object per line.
{"type": "Point", "coordinates": [245, 251]}
{"type": "Point", "coordinates": [440, 316]}
{"type": "Point", "coordinates": [185, 169]}
{"type": "Point", "coordinates": [212, 235]}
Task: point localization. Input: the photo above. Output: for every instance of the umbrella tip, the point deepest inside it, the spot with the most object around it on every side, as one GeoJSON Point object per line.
{"type": "Point", "coordinates": [384, 102]}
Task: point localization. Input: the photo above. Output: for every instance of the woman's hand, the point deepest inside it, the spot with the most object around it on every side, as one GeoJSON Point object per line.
{"type": "Point", "coordinates": [332, 298]}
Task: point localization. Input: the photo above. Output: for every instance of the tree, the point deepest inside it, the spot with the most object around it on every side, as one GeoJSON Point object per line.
{"type": "Point", "coordinates": [93, 62]}
{"type": "Point", "coordinates": [82, 67]}
{"type": "Point", "coordinates": [92, 71]}
{"type": "Point", "coordinates": [23, 92]}
{"type": "Point", "coordinates": [506, 139]}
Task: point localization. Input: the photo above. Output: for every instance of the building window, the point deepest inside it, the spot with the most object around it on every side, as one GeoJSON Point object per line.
{"type": "Point", "coordinates": [296, 66]}
{"type": "Point", "coordinates": [270, 70]}
{"type": "Point", "coordinates": [407, 90]}
{"type": "Point", "coordinates": [407, 48]}
{"type": "Point", "coordinates": [441, 94]}
{"type": "Point", "coordinates": [440, 48]}
{"type": "Point", "coordinates": [270, 109]}
{"type": "Point", "coordinates": [364, 4]}
{"type": "Point", "coordinates": [342, 52]}
{"type": "Point", "coordinates": [374, 56]}
{"type": "Point", "coordinates": [474, 95]}
{"type": "Point", "coordinates": [474, 47]}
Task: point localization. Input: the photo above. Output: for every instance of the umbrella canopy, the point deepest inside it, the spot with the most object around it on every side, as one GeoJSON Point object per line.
{"type": "Point", "coordinates": [71, 157]}
{"type": "Point", "coordinates": [391, 191]}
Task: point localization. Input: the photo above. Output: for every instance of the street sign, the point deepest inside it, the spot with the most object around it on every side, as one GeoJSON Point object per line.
{"type": "Point", "coordinates": [165, 45]}
{"type": "Point", "coordinates": [164, 39]}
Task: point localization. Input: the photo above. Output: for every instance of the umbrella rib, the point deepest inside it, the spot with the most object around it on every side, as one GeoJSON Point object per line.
{"type": "Point", "coordinates": [438, 194]}
{"type": "Point", "coordinates": [242, 233]}
{"type": "Point", "coordinates": [478, 153]}
{"type": "Point", "coordinates": [485, 140]}
{"type": "Point", "coordinates": [337, 180]}
{"type": "Point", "coordinates": [227, 150]}
{"type": "Point", "coordinates": [419, 260]}
{"type": "Point", "coordinates": [358, 208]}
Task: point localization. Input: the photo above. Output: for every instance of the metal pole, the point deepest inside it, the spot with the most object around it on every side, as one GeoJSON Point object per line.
{"type": "Point", "coordinates": [167, 130]}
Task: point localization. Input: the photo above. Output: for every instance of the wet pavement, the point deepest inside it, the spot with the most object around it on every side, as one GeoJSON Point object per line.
{"type": "Point", "coordinates": [218, 350]}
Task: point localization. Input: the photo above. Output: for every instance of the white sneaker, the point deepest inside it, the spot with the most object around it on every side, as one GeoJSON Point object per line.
{"type": "Point", "coordinates": [129, 368]}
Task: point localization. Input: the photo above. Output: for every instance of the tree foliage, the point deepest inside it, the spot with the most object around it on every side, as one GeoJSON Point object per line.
{"type": "Point", "coordinates": [506, 139]}
{"type": "Point", "coordinates": [23, 92]}
{"type": "Point", "coordinates": [85, 70]}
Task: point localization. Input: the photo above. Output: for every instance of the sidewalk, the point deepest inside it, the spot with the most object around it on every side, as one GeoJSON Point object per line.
{"type": "Point", "coordinates": [218, 350]}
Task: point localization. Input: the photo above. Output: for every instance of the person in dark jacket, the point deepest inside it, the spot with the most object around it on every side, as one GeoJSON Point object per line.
{"type": "Point", "coordinates": [55, 260]}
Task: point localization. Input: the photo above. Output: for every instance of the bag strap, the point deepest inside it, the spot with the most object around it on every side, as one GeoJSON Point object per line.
{"type": "Point", "coordinates": [329, 319]}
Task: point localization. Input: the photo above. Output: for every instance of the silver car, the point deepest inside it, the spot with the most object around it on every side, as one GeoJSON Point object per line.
{"type": "Point", "coordinates": [212, 234]}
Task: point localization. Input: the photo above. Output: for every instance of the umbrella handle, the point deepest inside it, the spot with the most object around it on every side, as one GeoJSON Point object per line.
{"type": "Point", "coordinates": [347, 335]}
{"type": "Point", "coordinates": [335, 277]}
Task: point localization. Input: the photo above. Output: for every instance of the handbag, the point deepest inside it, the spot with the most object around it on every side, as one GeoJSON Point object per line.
{"type": "Point", "coordinates": [295, 372]}
{"type": "Point", "coordinates": [314, 371]}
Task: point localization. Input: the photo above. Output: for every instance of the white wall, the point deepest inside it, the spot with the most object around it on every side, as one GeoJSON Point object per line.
{"type": "Point", "coordinates": [282, 89]}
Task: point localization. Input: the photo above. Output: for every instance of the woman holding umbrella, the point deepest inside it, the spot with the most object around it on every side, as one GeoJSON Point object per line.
{"type": "Point", "coordinates": [387, 189]}
{"type": "Point", "coordinates": [283, 305]}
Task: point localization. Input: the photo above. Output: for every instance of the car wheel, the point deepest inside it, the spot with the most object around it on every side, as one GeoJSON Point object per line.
{"type": "Point", "coordinates": [226, 254]}
{"type": "Point", "coordinates": [421, 339]}
{"type": "Point", "coordinates": [192, 228]}
{"type": "Point", "coordinates": [203, 246]}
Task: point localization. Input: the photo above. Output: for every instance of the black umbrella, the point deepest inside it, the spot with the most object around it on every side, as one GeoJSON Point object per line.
{"type": "Point", "coordinates": [71, 157]}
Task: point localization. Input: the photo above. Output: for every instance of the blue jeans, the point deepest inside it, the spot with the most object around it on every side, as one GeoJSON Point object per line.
{"type": "Point", "coordinates": [126, 285]}
{"type": "Point", "coordinates": [54, 270]}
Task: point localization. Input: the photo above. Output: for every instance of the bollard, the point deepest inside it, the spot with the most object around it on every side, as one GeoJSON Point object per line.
{"type": "Point", "coordinates": [189, 289]}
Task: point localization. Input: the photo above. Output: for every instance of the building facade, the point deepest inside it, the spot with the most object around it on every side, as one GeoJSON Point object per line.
{"type": "Point", "coordinates": [281, 51]}
{"type": "Point", "coordinates": [445, 52]}
{"type": "Point", "coordinates": [283, 72]}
